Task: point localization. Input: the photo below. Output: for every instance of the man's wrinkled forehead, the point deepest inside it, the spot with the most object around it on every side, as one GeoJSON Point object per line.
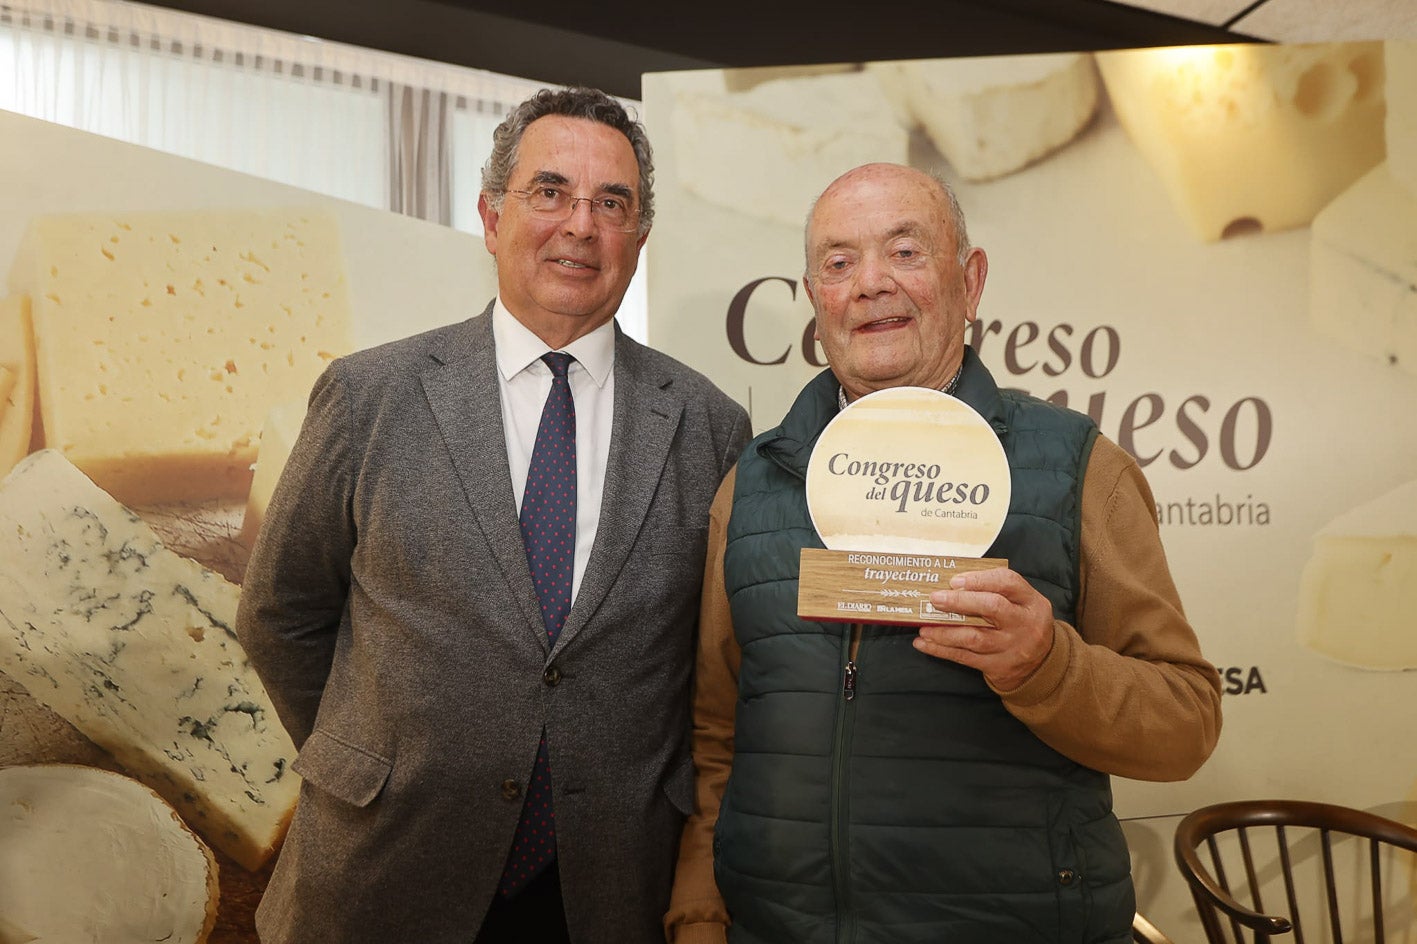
{"type": "Point", "coordinates": [547, 154]}
{"type": "Point", "coordinates": [836, 224]}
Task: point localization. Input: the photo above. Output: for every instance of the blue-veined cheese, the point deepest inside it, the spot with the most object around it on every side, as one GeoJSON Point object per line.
{"type": "Point", "coordinates": [277, 439]}
{"type": "Point", "coordinates": [1400, 58]}
{"type": "Point", "coordinates": [768, 152]}
{"type": "Point", "coordinates": [1363, 270]}
{"type": "Point", "coordinates": [17, 359]}
{"type": "Point", "coordinates": [1358, 592]}
{"type": "Point", "coordinates": [163, 339]}
{"type": "Point", "coordinates": [134, 646]}
{"type": "Point", "coordinates": [92, 857]}
{"type": "Point", "coordinates": [990, 116]}
{"type": "Point", "coordinates": [1247, 137]}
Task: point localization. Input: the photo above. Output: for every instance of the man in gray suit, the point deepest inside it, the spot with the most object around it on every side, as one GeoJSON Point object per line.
{"type": "Point", "coordinates": [452, 679]}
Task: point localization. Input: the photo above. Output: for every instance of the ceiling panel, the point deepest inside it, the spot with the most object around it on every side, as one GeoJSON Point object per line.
{"type": "Point", "coordinates": [612, 42]}
{"type": "Point", "coordinates": [1310, 21]}
{"type": "Point", "coordinates": [1214, 12]}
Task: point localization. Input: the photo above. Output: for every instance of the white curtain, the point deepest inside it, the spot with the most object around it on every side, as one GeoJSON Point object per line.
{"type": "Point", "coordinates": [198, 88]}
{"type": "Point", "coordinates": [375, 128]}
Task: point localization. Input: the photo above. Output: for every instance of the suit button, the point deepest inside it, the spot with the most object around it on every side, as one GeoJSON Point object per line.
{"type": "Point", "coordinates": [511, 789]}
{"type": "Point", "coordinates": [1067, 876]}
{"type": "Point", "coordinates": [552, 677]}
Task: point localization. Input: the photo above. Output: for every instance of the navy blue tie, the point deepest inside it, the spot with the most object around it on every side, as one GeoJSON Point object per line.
{"type": "Point", "coordinates": [548, 521]}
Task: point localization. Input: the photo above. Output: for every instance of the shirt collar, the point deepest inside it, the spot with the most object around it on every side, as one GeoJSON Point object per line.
{"type": "Point", "coordinates": [518, 348]}
{"type": "Point", "coordinates": [948, 388]}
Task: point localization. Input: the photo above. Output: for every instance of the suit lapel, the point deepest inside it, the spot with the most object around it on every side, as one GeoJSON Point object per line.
{"type": "Point", "coordinates": [463, 394]}
{"type": "Point", "coordinates": [647, 414]}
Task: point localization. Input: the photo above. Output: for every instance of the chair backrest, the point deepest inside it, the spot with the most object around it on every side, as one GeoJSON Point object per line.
{"type": "Point", "coordinates": [1348, 872]}
{"type": "Point", "coordinates": [1144, 932]}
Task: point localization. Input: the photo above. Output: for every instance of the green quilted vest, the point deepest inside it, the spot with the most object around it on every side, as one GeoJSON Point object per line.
{"type": "Point", "coordinates": [919, 810]}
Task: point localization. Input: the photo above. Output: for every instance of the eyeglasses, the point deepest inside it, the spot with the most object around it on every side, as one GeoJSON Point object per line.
{"type": "Point", "coordinates": [554, 204]}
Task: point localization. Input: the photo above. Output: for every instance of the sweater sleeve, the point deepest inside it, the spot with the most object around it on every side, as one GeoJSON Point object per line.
{"type": "Point", "coordinates": [1127, 692]}
{"type": "Point", "coordinates": [696, 912]}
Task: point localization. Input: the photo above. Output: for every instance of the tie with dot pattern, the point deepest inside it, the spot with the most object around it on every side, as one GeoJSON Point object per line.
{"type": "Point", "coordinates": [548, 521]}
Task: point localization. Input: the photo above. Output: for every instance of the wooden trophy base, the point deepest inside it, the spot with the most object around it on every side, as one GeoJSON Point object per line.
{"type": "Point", "coordinates": [877, 587]}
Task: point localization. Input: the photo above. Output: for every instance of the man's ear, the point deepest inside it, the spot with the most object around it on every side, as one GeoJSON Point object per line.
{"type": "Point", "coordinates": [976, 272]}
{"type": "Point", "coordinates": [490, 218]}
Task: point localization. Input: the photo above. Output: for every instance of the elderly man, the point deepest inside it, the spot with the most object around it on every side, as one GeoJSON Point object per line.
{"type": "Point", "coordinates": [474, 598]}
{"type": "Point", "coordinates": [959, 790]}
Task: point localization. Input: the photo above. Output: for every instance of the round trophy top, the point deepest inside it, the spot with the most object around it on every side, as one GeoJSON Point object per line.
{"type": "Point", "coordinates": [909, 470]}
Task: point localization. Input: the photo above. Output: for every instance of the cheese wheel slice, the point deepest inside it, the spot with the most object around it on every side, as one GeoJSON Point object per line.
{"type": "Point", "coordinates": [1358, 592]}
{"type": "Point", "coordinates": [133, 645]}
{"type": "Point", "coordinates": [92, 857]}
{"type": "Point", "coordinates": [770, 151]}
{"type": "Point", "coordinates": [1249, 138]}
{"type": "Point", "coordinates": [992, 115]}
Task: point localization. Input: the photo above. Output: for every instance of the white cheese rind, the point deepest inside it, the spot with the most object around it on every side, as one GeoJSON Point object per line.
{"type": "Point", "coordinates": [1358, 591]}
{"type": "Point", "coordinates": [277, 439]}
{"type": "Point", "coordinates": [1254, 136]}
{"type": "Point", "coordinates": [992, 116]}
{"type": "Point", "coordinates": [163, 339]}
{"type": "Point", "coordinates": [17, 357]}
{"type": "Point", "coordinates": [92, 857]}
{"type": "Point", "coordinates": [1363, 270]}
{"type": "Point", "coordinates": [134, 646]}
{"type": "Point", "coordinates": [1400, 60]}
{"type": "Point", "coordinates": [770, 151]}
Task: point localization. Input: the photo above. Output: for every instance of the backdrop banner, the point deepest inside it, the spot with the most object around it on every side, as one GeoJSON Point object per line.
{"type": "Point", "coordinates": [1212, 252]}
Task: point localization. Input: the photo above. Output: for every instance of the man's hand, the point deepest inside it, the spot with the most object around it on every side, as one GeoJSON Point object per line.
{"type": "Point", "coordinates": [1008, 651]}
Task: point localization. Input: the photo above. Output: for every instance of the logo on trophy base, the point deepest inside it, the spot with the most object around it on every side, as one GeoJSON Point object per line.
{"type": "Point", "coordinates": [906, 487]}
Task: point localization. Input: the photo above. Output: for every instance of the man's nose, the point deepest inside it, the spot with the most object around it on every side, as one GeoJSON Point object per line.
{"type": "Point", "coordinates": [581, 222]}
{"type": "Point", "coordinates": [874, 276]}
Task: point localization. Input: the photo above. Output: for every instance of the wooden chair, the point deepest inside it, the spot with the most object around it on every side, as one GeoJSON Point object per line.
{"type": "Point", "coordinates": [1327, 861]}
{"type": "Point", "coordinates": [1144, 932]}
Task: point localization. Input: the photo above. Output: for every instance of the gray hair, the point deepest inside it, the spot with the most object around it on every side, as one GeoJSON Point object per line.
{"type": "Point", "coordinates": [956, 220]}
{"type": "Point", "coordinates": [588, 103]}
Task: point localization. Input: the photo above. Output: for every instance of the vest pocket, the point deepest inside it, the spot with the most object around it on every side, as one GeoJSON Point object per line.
{"type": "Point", "coordinates": [341, 769]}
{"type": "Point", "coordinates": [1094, 885]}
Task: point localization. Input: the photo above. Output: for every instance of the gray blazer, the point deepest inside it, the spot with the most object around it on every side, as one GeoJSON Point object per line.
{"type": "Point", "coordinates": [390, 611]}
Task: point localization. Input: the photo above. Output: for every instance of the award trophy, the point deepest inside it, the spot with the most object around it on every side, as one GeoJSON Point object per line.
{"type": "Point", "coordinates": [906, 487]}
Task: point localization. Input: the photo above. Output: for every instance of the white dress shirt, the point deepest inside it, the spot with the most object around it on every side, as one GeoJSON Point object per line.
{"type": "Point", "coordinates": [523, 383]}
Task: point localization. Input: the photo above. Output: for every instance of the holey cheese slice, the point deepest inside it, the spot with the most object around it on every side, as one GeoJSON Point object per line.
{"type": "Point", "coordinates": [133, 645]}
{"type": "Point", "coordinates": [990, 116]}
{"type": "Point", "coordinates": [88, 856]}
{"type": "Point", "coordinates": [1363, 270]}
{"type": "Point", "coordinates": [1251, 137]}
{"type": "Point", "coordinates": [1358, 592]}
{"type": "Point", "coordinates": [163, 339]}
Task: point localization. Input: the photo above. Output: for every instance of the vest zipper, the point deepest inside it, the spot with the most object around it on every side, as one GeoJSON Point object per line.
{"type": "Point", "coordinates": [840, 838]}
